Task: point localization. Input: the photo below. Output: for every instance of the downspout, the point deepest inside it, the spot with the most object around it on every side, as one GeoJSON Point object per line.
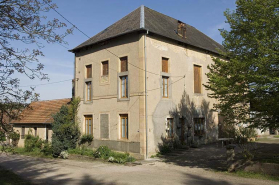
{"type": "Point", "coordinates": [142, 26]}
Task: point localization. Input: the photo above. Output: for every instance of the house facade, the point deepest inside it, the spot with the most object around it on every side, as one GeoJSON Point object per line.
{"type": "Point", "coordinates": [141, 79]}
{"type": "Point", "coordinates": [37, 118]}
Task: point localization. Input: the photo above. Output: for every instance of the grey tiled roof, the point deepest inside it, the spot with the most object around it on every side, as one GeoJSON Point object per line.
{"type": "Point", "coordinates": [156, 23]}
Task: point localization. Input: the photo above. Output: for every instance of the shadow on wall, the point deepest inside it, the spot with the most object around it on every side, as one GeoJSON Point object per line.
{"type": "Point", "coordinates": [192, 122]}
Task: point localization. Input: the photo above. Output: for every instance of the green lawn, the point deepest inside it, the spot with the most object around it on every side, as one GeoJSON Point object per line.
{"type": "Point", "coordinates": [9, 178]}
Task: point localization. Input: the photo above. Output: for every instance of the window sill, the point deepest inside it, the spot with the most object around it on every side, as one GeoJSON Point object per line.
{"type": "Point", "coordinates": [123, 99]}
{"type": "Point", "coordinates": [198, 94]}
{"type": "Point", "coordinates": [124, 140]}
{"type": "Point", "coordinates": [88, 102]}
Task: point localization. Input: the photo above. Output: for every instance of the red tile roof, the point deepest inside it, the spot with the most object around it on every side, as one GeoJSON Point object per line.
{"type": "Point", "coordinates": [41, 111]}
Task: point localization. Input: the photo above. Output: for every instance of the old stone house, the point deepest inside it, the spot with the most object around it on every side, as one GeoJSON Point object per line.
{"type": "Point", "coordinates": [141, 79]}
{"type": "Point", "coordinates": [37, 119]}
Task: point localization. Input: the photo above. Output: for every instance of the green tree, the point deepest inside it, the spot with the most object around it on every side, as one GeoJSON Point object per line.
{"type": "Point", "coordinates": [65, 128]}
{"type": "Point", "coordinates": [24, 29]}
{"type": "Point", "coordinates": [246, 80]}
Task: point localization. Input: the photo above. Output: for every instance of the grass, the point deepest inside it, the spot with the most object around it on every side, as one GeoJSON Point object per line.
{"type": "Point", "coordinates": [242, 173]}
{"type": "Point", "coordinates": [9, 178]}
{"type": "Point", "coordinates": [277, 136]}
{"type": "Point", "coordinates": [35, 153]}
{"type": "Point", "coordinates": [86, 152]}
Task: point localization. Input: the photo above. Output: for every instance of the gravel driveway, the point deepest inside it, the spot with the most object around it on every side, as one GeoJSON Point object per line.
{"type": "Point", "coordinates": [62, 172]}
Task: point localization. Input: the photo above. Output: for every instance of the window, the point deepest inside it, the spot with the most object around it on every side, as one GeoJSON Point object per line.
{"type": "Point", "coordinates": [165, 86]}
{"type": "Point", "coordinates": [181, 29]}
{"type": "Point", "coordinates": [89, 71]}
{"type": "Point", "coordinates": [199, 126]}
{"type": "Point", "coordinates": [124, 126]}
{"type": "Point", "coordinates": [124, 64]}
{"type": "Point", "coordinates": [165, 65]}
{"type": "Point", "coordinates": [35, 131]}
{"type": "Point", "coordinates": [170, 128]}
{"type": "Point", "coordinates": [197, 79]}
{"type": "Point", "coordinates": [124, 86]}
{"type": "Point", "coordinates": [88, 125]}
{"type": "Point", "coordinates": [88, 91]}
{"type": "Point", "coordinates": [105, 68]}
{"type": "Point", "coordinates": [22, 132]}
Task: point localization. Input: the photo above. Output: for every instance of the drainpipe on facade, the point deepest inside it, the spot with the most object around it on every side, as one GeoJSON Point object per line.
{"type": "Point", "coordinates": [146, 116]}
{"type": "Point", "coordinates": [142, 26]}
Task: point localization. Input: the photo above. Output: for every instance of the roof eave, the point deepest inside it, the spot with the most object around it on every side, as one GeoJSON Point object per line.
{"type": "Point", "coordinates": [125, 33]}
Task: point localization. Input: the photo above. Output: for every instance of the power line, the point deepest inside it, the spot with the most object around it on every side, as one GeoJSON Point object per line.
{"type": "Point", "coordinates": [104, 48]}
{"type": "Point", "coordinates": [46, 83]}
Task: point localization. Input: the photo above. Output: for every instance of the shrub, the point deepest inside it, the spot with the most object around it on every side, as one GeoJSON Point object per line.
{"type": "Point", "coordinates": [102, 152]}
{"type": "Point", "coordinates": [86, 139]}
{"type": "Point", "coordinates": [32, 143]}
{"type": "Point", "coordinates": [115, 157]}
{"type": "Point", "coordinates": [14, 136]}
{"type": "Point", "coordinates": [64, 155]}
{"type": "Point", "coordinates": [47, 148]}
{"type": "Point", "coordinates": [65, 128]}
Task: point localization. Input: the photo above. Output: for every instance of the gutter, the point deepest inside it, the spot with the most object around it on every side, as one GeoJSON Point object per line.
{"type": "Point", "coordinates": [142, 26]}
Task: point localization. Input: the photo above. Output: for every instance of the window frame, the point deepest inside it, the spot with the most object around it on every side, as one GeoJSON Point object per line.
{"type": "Point", "coordinates": [88, 68]}
{"type": "Point", "coordinates": [86, 91]}
{"type": "Point", "coordinates": [126, 88]}
{"type": "Point", "coordinates": [199, 131]}
{"type": "Point", "coordinates": [126, 67]}
{"type": "Point", "coordinates": [197, 77]}
{"type": "Point", "coordinates": [126, 126]}
{"type": "Point", "coordinates": [163, 87]}
{"type": "Point", "coordinates": [166, 66]}
{"type": "Point", "coordinates": [103, 70]}
{"type": "Point", "coordinates": [168, 128]}
{"type": "Point", "coordinates": [86, 126]}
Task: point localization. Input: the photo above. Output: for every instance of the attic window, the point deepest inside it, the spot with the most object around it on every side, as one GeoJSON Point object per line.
{"type": "Point", "coordinates": [181, 29]}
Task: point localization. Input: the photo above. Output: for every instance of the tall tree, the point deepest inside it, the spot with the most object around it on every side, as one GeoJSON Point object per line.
{"type": "Point", "coordinates": [23, 21]}
{"type": "Point", "coordinates": [246, 82]}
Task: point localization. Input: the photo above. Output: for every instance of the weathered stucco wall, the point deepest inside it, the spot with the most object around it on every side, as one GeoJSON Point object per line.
{"type": "Point", "coordinates": [181, 62]}
{"type": "Point", "coordinates": [106, 91]}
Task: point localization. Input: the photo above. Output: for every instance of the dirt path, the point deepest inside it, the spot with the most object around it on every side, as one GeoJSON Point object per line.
{"type": "Point", "coordinates": [62, 172]}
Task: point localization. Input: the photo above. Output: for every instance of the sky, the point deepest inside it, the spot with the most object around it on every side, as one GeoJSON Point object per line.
{"type": "Point", "coordinates": [93, 16]}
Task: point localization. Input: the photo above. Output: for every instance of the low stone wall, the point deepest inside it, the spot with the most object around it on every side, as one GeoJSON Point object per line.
{"type": "Point", "coordinates": [131, 147]}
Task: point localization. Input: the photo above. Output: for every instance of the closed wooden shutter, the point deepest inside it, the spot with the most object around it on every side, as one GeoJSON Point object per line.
{"type": "Point", "coordinates": [124, 64]}
{"type": "Point", "coordinates": [165, 66]}
{"type": "Point", "coordinates": [105, 68]}
{"type": "Point", "coordinates": [89, 71]}
{"type": "Point", "coordinates": [197, 79]}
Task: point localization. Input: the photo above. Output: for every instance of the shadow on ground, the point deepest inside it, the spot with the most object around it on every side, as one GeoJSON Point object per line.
{"type": "Point", "coordinates": [198, 180]}
{"type": "Point", "coordinates": [33, 171]}
{"type": "Point", "coordinates": [213, 157]}
{"type": "Point", "coordinates": [207, 156]}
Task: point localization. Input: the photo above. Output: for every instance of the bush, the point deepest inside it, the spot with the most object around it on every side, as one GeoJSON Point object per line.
{"type": "Point", "coordinates": [115, 157]}
{"type": "Point", "coordinates": [32, 143]}
{"type": "Point", "coordinates": [47, 149]}
{"type": "Point", "coordinates": [169, 144]}
{"type": "Point", "coordinates": [14, 136]}
{"type": "Point", "coordinates": [86, 139]}
{"type": "Point", "coordinates": [102, 152]}
{"type": "Point", "coordinates": [64, 155]}
{"type": "Point", "coordinates": [65, 128]}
